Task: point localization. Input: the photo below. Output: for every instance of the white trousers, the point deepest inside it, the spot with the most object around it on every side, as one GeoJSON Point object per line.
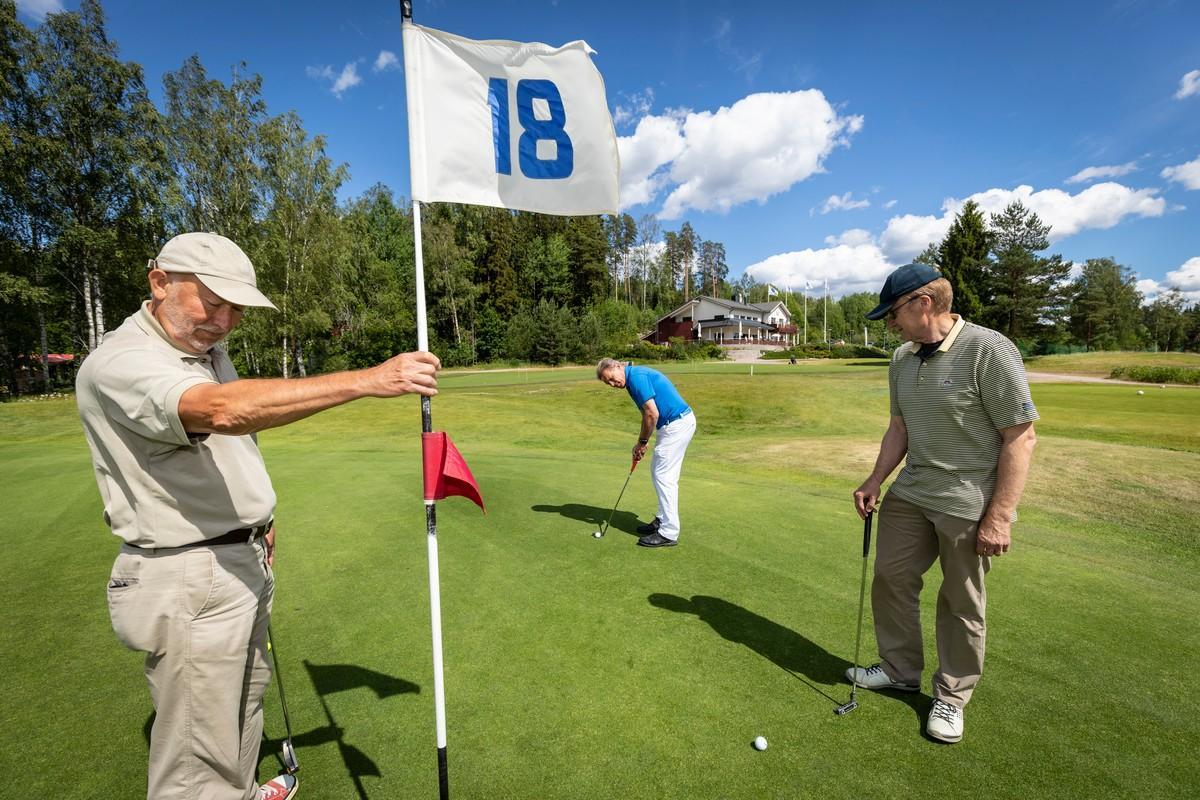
{"type": "Point", "coordinates": [670, 444]}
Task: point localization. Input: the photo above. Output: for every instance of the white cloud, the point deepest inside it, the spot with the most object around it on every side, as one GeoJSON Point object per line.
{"type": "Point", "coordinates": [848, 268]}
{"type": "Point", "coordinates": [1187, 277]}
{"type": "Point", "coordinates": [38, 9]}
{"type": "Point", "coordinates": [1101, 206]}
{"type": "Point", "coordinates": [843, 203]}
{"type": "Point", "coordinates": [890, 203]}
{"type": "Point", "coordinates": [1187, 173]}
{"type": "Point", "coordinates": [339, 82]}
{"type": "Point", "coordinates": [760, 146]}
{"type": "Point", "coordinates": [909, 234]}
{"type": "Point", "coordinates": [655, 143]}
{"type": "Point", "coordinates": [1094, 173]}
{"type": "Point", "coordinates": [385, 60]}
{"type": "Point", "coordinates": [638, 105]}
{"type": "Point", "coordinates": [1189, 85]}
{"type": "Point", "coordinates": [852, 238]}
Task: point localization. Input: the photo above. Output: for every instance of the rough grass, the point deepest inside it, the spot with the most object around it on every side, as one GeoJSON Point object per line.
{"type": "Point", "coordinates": [1101, 364]}
{"type": "Point", "coordinates": [584, 668]}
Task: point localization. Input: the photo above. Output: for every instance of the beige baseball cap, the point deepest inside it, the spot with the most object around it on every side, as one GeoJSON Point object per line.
{"type": "Point", "coordinates": [218, 263]}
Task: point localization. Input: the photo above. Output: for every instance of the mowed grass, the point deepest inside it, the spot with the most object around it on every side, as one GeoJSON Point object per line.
{"type": "Point", "coordinates": [596, 669]}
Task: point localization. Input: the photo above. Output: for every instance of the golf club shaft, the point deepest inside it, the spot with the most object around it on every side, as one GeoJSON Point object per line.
{"type": "Point", "coordinates": [612, 513]}
{"type": "Point", "coordinates": [287, 722]}
{"type": "Point", "coordinates": [862, 594]}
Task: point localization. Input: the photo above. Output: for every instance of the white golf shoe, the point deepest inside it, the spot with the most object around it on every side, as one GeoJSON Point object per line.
{"type": "Point", "coordinates": [874, 677]}
{"type": "Point", "coordinates": [945, 722]}
{"type": "Point", "coordinates": [283, 787]}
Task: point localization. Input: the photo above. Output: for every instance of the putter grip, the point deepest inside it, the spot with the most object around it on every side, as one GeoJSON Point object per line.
{"type": "Point", "coordinates": [867, 533]}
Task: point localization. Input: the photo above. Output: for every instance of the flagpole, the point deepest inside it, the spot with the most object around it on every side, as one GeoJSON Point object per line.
{"type": "Point", "coordinates": [435, 591]}
{"type": "Point", "coordinates": [805, 313]}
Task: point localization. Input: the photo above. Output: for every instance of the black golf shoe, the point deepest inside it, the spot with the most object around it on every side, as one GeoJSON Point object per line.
{"type": "Point", "coordinates": [649, 527]}
{"type": "Point", "coordinates": [656, 540]}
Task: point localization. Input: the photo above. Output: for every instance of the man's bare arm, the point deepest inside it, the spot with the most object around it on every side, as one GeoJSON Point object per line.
{"type": "Point", "coordinates": [1016, 453]}
{"type": "Point", "coordinates": [891, 452]}
{"type": "Point", "coordinates": [253, 404]}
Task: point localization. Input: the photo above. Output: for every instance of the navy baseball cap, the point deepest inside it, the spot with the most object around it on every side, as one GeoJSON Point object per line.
{"type": "Point", "coordinates": [903, 280]}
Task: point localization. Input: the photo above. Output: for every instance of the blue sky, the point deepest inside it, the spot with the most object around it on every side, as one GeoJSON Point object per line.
{"type": "Point", "coordinates": [890, 115]}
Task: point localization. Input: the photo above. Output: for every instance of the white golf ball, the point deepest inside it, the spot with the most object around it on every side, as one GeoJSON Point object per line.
{"type": "Point", "coordinates": [1140, 391]}
{"type": "Point", "coordinates": [760, 743]}
{"type": "Point", "coordinates": [597, 534]}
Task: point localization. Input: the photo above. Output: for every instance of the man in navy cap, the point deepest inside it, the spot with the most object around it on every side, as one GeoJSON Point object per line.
{"type": "Point", "coordinates": [962, 422]}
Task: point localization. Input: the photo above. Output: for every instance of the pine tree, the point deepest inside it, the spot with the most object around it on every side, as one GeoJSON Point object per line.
{"type": "Point", "coordinates": [962, 258]}
{"type": "Point", "coordinates": [1026, 292]}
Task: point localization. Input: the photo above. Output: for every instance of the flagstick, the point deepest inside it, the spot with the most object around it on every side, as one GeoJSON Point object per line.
{"type": "Point", "coordinates": [435, 592]}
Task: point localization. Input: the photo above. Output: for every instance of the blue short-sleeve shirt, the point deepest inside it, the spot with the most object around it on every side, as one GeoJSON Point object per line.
{"type": "Point", "coordinates": [644, 384]}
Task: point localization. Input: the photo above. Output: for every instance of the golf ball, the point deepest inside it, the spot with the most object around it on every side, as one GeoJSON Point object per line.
{"type": "Point", "coordinates": [1140, 391]}
{"type": "Point", "coordinates": [597, 534]}
{"type": "Point", "coordinates": [760, 743]}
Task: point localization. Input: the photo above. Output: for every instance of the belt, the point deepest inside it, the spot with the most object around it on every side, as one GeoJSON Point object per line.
{"type": "Point", "coordinates": [677, 417]}
{"type": "Point", "coordinates": [239, 536]}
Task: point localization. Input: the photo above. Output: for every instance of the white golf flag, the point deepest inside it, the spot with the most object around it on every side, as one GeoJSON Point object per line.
{"type": "Point", "coordinates": [508, 124]}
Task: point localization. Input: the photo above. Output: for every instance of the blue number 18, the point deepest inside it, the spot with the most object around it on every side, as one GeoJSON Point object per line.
{"type": "Point", "coordinates": [534, 129]}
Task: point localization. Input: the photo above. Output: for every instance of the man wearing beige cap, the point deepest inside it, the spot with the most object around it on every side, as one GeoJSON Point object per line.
{"type": "Point", "coordinates": [172, 435]}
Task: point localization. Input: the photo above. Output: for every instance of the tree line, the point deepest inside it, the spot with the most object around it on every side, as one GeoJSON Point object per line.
{"type": "Point", "coordinates": [94, 178]}
{"type": "Point", "coordinates": [1002, 279]}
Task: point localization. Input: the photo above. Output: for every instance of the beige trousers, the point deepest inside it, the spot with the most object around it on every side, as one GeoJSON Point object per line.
{"type": "Point", "coordinates": [200, 615]}
{"type": "Point", "coordinates": [910, 540]}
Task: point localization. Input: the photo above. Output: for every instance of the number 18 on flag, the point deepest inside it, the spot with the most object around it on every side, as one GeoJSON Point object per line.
{"type": "Point", "coordinates": [498, 123]}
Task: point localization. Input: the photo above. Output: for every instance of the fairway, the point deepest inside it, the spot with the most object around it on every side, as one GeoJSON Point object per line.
{"type": "Point", "coordinates": [583, 668]}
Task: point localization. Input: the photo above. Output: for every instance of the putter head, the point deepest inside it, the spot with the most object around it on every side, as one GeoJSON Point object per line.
{"type": "Point", "coordinates": [289, 758]}
{"type": "Point", "coordinates": [846, 709]}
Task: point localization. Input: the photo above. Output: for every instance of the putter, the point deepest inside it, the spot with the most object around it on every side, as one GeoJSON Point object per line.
{"type": "Point", "coordinates": [600, 533]}
{"type": "Point", "coordinates": [862, 590]}
{"type": "Point", "coordinates": [290, 764]}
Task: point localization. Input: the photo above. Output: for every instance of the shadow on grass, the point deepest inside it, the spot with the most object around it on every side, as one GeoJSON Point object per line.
{"type": "Point", "coordinates": [625, 521]}
{"type": "Point", "coordinates": [791, 652]}
{"type": "Point", "coordinates": [880, 362]}
{"type": "Point", "coordinates": [329, 679]}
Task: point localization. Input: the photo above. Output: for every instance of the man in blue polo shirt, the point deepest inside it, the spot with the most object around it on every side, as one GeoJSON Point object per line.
{"type": "Point", "coordinates": [664, 412]}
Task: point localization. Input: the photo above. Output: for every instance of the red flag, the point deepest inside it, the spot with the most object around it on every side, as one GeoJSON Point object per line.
{"type": "Point", "coordinates": [446, 472]}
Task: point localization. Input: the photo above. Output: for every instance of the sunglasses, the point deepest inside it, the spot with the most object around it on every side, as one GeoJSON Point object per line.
{"type": "Point", "coordinates": [891, 314]}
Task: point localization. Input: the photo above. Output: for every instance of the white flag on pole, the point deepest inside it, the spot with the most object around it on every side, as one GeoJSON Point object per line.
{"type": "Point", "coordinates": [771, 291]}
{"type": "Point", "coordinates": [508, 124]}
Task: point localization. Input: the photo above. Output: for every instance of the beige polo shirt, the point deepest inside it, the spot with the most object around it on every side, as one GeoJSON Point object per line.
{"type": "Point", "coordinates": [954, 405]}
{"type": "Point", "coordinates": [161, 486]}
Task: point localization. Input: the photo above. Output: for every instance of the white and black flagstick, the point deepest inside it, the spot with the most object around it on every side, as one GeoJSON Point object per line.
{"type": "Point", "coordinates": [435, 592]}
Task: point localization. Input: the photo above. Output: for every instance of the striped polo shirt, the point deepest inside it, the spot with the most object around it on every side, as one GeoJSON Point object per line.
{"type": "Point", "coordinates": [954, 405]}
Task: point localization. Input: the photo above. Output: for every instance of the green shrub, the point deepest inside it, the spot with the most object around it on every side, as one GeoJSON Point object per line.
{"type": "Point", "coordinates": [817, 351]}
{"type": "Point", "coordinates": [678, 350]}
{"type": "Point", "coordinates": [1187, 375]}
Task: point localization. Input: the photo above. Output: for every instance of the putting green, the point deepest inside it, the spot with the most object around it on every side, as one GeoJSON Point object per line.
{"type": "Point", "coordinates": [591, 668]}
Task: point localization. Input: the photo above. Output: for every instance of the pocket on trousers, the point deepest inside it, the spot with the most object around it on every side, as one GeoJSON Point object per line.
{"type": "Point", "coordinates": [127, 611]}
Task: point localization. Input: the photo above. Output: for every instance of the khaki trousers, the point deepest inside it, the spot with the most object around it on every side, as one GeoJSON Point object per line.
{"type": "Point", "coordinates": [200, 615]}
{"type": "Point", "coordinates": [910, 540]}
